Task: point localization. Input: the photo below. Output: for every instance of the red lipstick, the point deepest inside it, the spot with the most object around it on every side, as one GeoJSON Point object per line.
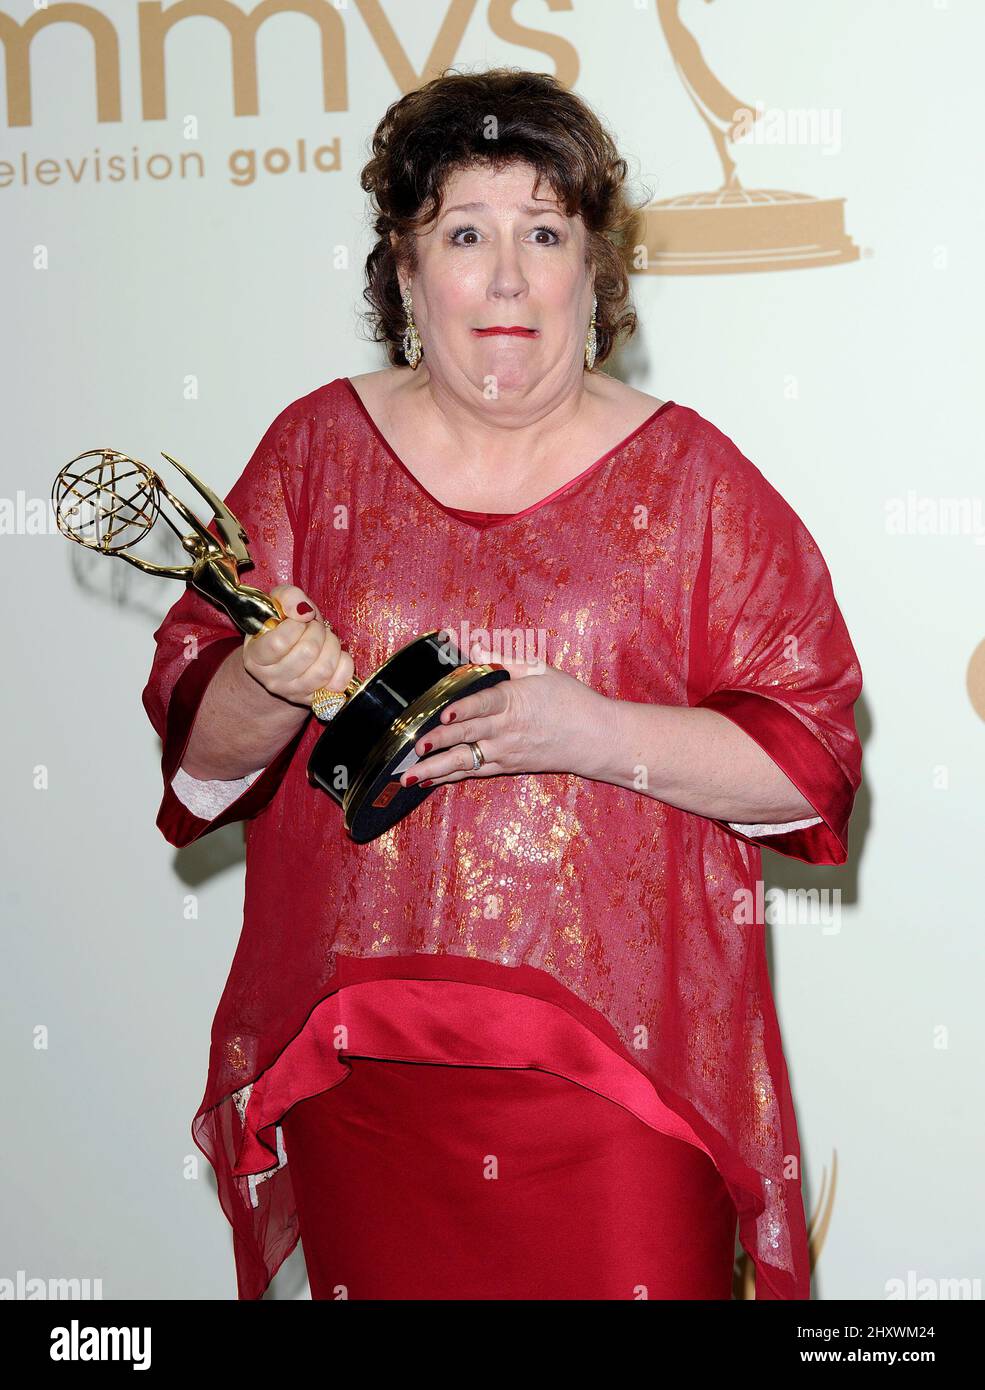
{"type": "Point", "coordinates": [513, 332]}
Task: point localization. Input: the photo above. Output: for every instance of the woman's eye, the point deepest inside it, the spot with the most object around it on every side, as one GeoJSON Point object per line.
{"type": "Point", "coordinates": [472, 231]}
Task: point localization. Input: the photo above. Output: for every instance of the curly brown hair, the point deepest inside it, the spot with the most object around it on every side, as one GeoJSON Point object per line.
{"type": "Point", "coordinates": [444, 126]}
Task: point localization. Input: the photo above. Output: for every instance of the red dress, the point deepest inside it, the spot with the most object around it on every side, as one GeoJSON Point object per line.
{"type": "Point", "coordinates": [423, 1181]}
{"type": "Point", "coordinates": [612, 927]}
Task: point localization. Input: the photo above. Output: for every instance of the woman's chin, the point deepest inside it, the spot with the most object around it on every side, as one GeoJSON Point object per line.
{"type": "Point", "coordinates": [509, 364]}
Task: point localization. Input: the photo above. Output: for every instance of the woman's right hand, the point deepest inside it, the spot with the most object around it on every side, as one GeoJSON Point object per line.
{"type": "Point", "coordinates": [300, 654]}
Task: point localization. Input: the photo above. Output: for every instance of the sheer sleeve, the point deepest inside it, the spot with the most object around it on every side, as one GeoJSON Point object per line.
{"type": "Point", "coordinates": [769, 649]}
{"type": "Point", "coordinates": [195, 638]}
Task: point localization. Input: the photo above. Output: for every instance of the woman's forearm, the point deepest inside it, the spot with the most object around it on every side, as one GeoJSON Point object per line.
{"type": "Point", "coordinates": [694, 759]}
{"type": "Point", "coordinates": [239, 726]}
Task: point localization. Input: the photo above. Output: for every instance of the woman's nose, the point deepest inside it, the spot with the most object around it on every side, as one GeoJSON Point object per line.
{"type": "Point", "coordinates": [508, 283]}
{"type": "Point", "coordinates": [508, 278]}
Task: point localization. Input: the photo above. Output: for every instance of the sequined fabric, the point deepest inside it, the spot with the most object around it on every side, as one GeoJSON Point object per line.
{"type": "Point", "coordinates": [669, 572]}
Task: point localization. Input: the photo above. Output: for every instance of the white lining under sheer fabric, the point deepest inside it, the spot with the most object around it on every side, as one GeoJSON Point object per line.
{"type": "Point", "coordinates": [209, 799]}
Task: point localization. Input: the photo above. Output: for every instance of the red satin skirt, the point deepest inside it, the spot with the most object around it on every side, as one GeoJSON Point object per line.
{"type": "Point", "coordinates": [418, 1180]}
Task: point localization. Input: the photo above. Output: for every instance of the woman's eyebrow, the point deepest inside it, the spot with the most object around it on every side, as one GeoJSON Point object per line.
{"type": "Point", "coordinates": [534, 209]}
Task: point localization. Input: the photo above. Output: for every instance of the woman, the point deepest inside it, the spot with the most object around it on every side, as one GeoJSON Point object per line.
{"type": "Point", "coordinates": [523, 1045]}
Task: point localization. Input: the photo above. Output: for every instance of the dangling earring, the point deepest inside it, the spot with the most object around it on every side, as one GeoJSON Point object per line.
{"type": "Point", "coordinates": [413, 348]}
{"type": "Point", "coordinates": [591, 342]}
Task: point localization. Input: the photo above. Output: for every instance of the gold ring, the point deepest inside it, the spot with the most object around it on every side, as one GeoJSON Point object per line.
{"type": "Point", "coordinates": [477, 758]}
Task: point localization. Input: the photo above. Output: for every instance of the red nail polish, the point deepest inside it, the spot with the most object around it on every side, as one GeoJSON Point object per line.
{"type": "Point", "coordinates": [427, 748]}
{"type": "Point", "coordinates": [410, 781]}
{"type": "Point", "coordinates": [427, 782]}
{"type": "Point", "coordinates": [305, 608]}
{"type": "Point", "coordinates": [451, 716]}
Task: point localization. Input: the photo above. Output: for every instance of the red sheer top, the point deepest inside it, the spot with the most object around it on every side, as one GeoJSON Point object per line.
{"type": "Point", "coordinates": [545, 920]}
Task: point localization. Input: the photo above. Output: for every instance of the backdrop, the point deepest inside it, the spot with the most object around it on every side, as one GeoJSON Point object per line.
{"type": "Point", "coordinates": [183, 235]}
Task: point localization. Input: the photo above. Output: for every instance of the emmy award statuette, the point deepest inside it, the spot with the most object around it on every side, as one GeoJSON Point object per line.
{"type": "Point", "coordinates": [733, 229]}
{"type": "Point", "coordinates": [106, 500]}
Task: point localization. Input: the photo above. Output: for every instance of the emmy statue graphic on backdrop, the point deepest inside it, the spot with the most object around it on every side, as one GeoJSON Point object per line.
{"type": "Point", "coordinates": [733, 229]}
{"type": "Point", "coordinates": [372, 725]}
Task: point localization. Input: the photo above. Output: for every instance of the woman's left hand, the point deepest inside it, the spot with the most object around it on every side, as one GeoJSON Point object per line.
{"type": "Point", "coordinates": [540, 720]}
